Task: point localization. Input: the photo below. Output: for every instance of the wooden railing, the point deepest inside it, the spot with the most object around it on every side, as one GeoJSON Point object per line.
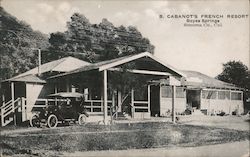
{"type": "Point", "coordinates": [9, 108]}
{"type": "Point", "coordinates": [96, 106]}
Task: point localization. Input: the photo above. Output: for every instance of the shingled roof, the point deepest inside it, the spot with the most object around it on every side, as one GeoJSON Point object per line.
{"type": "Point", "coordinates": [27, 78]}
{"type": "Point", "coordinates": [197, 79]}
{"type": "Point", "coordinates": [119, 61]}
{"type": "Point", "coordinates": [65, 64]}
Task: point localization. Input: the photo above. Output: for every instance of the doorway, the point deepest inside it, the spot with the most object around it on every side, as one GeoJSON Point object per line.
{"type": "Point", "coordinates": [155, 100]}
{"type": "Point", "coordinates": [194, 98]}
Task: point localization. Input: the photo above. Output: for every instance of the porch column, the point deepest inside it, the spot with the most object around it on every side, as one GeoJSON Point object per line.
{"type": "Point", "coordinates": [119, 99]}
{"type": "Point", "coordinates": [105, 97]}
{"type": "Point", "coordinates": [56, 88]}
{"type": "Point", "coordinates": [67, 85]}
{"type": "Point", "coordinates": [13, 99]}
{"type": "Point", "coordinates": [149, 111]}
{"type": "Point", "coordinates": [173, 103]}
{"type": "Point", "coordinates": [3, 97]}
{"type": "Point", "coordinates": [132, 104]}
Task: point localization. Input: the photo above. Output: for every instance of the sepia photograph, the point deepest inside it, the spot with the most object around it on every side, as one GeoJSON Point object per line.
{"type": "Point", "coordinates": [124, 78]}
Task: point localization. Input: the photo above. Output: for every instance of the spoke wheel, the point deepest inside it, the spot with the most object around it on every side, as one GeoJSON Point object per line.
{"type": "Point", "coordinates": [34, 121]}
{"type": "Point", "coordinates": [52, 121]}
{"type": "Point", "coordinates": [82, 119]}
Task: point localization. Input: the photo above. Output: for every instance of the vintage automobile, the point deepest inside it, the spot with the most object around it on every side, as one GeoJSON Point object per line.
{"type": "Point", "coordinates": [68, 108]}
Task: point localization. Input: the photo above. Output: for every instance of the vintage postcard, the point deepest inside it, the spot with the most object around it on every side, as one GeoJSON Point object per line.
{"type": "Point", "coordinates": [125, 78]}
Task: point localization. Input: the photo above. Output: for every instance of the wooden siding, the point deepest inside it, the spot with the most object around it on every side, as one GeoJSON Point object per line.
{"type": "Point", "coordinates": [32, 93]}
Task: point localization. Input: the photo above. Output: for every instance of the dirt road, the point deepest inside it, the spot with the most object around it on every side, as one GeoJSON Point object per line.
{"type": "Point", "coordinates": [236, 149]}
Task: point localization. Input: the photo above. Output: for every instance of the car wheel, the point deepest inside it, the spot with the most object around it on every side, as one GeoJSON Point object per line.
{"type": "Point", "coordinates": [34, 121]}
{"type": "Point", "coordinates": [82, 119]}
{"type": "Point", "coordinates": [52, 121]}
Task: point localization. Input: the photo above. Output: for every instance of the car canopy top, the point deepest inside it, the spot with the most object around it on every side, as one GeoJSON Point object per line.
{"type": "Point", "coordinates": [67, 95]}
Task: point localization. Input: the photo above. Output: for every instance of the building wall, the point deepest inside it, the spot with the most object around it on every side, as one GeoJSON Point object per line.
{"type": "Point", "coordinates": [214, 104]}
{"type": "Point", "coordinates": [166, 105]}
{"type": "Point", "coordinates": [227, 105]}
{"type": "Point", "coordinates": [166, 100]}
{"type": "Point", "coordinates": [32, 93]}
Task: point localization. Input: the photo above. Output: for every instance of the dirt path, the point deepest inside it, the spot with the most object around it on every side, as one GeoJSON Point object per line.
{"type": "Point", "coordinates": [236, 149]}
{"type": "Point", "coordinates": [227, 122]}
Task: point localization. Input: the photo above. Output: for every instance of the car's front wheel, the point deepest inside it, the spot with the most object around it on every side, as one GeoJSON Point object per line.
{"type": "Point", "coordinates": [82, 119]}
{"type": "Point", "coordinates": [34, 121]}
{"type": "Point", "coordinates": [52, 121]}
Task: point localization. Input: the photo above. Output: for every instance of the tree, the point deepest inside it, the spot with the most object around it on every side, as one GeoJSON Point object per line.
{"type": "Point", "coordinates": [235, 72]}
{"type": "Point", "coordinates": [16, 42]}
{"type": "Point", "coordinates": [96, 42]}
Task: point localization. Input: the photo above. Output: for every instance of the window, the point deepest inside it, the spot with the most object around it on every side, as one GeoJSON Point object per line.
{"type": "Point", "coordinates": [95, 94]}
{"type": "Point", "coordinates": [223, 95]}
{"type": "Point", "coordinates": [180, 92]}
{"type": "Point", "coordinates": [209, 94]}
{"type": "Point", "coordinates": [141, 94]}
{"type": "Point", "coordinates": [235, 96]}
{"type": "Point", "coordinates": [166, 92]}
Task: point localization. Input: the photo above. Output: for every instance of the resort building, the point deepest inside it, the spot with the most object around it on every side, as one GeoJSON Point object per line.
{"type": "Point", "coordinates": [163, 89]}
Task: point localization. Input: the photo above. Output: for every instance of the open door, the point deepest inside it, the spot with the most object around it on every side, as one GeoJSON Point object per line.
{"type": "Point", "coordinates": [155, 100]}
{"type": "Point", "coordinates": [194, 98]}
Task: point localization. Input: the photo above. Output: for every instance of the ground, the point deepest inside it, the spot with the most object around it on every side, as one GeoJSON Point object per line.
{"type": "Point", "coordinates": [155, 137]}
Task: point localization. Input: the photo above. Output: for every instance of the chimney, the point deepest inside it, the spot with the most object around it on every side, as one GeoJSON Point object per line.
{"type": "Point", "coordinates": [39, 62]}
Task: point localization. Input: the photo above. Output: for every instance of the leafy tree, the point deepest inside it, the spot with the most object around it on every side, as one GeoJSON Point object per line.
{"type": "Point", "coordinates": [96, 42]}
{"type": "Point", "coordinates": [17, 41]}
{"type": "Point", "coordinates": [235, 72]}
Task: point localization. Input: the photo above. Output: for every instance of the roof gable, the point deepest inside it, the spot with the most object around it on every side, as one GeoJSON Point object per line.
{"type": "Point", "coordinates": [61, 65]}
{"type": "Point", "coordinates": [138, 56]}
{"type": "Point", "coordinates": [119, 61]}
{"type": "Point", "coordinates": [65, 64]}
{"type": "Point", "coordinates": [28, 78]}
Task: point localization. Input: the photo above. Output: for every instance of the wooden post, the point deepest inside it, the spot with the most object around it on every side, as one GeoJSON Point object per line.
{"type": "Point", "coordinates": [132, 104]}
{"type": "Point", "coordinates": [105, 97]}
{"type": "Point", "coordinates": [2, 118]}
{"type": "Point", "coordinates": [173, 103]}
{"type": "Point", "coordinates": [23, 109]}
{"type": "Point", "coordinates": [67, 85]}
{"type": "Point", "coordinates": [56, 90]}
{"type": "Point", "coordinates": [200, 99]}
{"type": "Point", "coordinates": [3, 98]}
{"type": "Point", "coordinates": [160, 97]}
{"type": "Point", "coordinates": [119, 100]}
{"type": "Point", "coordinates": [230, 110]}
{"type": "Point", "coordinates": [149, 99]}
{"type": "Point", "coordinates": [112, 108]}
{"type": "Point", "coordinates": [39, 62]}
{"type": "Point", "coordinates": [13, 99]}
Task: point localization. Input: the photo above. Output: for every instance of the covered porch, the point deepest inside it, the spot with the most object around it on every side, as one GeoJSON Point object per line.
{"type": "Point", "coordinates": [123, 87]}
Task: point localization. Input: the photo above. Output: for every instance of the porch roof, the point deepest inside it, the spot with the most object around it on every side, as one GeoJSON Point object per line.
{"type": "Point", "coordinates": [61, 65]}
{"type": "Point", "coordinates": [27, 78]}
{"type": "Point", "coordinates": [119, 61]}
{"type": "Point", "coordinates": [197, 79]}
